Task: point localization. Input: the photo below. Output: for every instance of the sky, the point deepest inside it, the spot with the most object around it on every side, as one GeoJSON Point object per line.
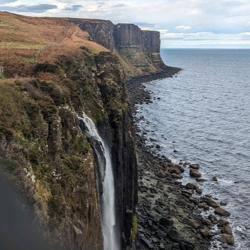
{"type": "Point", "coordinates": [182, 23]}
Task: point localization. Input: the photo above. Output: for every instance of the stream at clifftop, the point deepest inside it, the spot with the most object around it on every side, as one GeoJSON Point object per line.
{"type": "Point", "coordinates": [202, 115]}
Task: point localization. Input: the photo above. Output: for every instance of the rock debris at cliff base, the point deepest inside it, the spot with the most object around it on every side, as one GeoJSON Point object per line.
{"type": "Point", "coordinates": [168, 215]}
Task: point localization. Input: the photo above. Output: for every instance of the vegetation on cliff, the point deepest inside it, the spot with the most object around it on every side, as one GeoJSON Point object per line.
{"type": "Point", "coordinates": [52, 71]}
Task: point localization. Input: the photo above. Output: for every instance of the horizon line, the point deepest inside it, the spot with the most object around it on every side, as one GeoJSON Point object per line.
{"type": "Point", "coordinates": [212, 48]}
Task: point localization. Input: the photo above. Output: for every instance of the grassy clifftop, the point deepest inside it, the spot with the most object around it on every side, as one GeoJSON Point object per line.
{"type": "Point", "coordinates": [26, 41]}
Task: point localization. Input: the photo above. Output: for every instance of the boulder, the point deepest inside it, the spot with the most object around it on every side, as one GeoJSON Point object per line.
{"type": "Point", "coordinates": [195, 173]}
{"type": "Point", "coordinates": [195, 166]}
{"type": "Point", "coordinates": [206, 222]}
{"type": "Point", "coordinates": [227, 229]}
{"type": "Point", "coordinates": [211, 202]}
{"type": "Point", "coordinates": [223, 203]}
{"type": "Point", "coordinates": [222, 223]}
{"type": "Point", "coordinates": [176, 176]}
{"type": "Point", "coordinates": [200, 180]}
{"type": "Point", "coordinates": [194, 200]}
{"type": "Point", "coordinates": [166, 222]}
{"type": "Point", "coordinates": [187, 192]}
{"type": "Point", "coordinates": [226, 238]}
{"type": "Point", "coordinates": [213, 219]}
{"type": "Point", "coordinates": [215, 179]}
{"type": "Point", "coordinates": [191, 186]}
{"type": "Point", "coordinates": [199, 191]}
{"type": "Point", "coordinates": [195, 224]}
{"type": "Point", "coordinates": [222, 212]}
{"type": "Point", "coordinates": [205, 232]}
{"type": "Point", "coordinates": [203, 205]}
{"type": "Point", "coordinates": [175, 169]}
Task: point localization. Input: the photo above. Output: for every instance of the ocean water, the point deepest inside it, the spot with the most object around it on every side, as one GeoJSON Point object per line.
{"type": "Point", "coordinates": [202, 115]}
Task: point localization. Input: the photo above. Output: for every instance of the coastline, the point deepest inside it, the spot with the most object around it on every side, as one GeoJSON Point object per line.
{"type": "Point", "coordinates": [170, 214]}
{"type": "Point", "coordinates": [168, 71]}
{"type": "Point", "coordinates": [137, 93]}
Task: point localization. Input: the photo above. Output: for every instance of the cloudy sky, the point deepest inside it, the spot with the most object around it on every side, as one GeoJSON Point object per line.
{"type": "Point", "coordinates": [182, 23]}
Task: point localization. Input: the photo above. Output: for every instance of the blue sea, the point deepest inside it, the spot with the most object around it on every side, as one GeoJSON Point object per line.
{"type": "Point", "coordinates": [202, 115]}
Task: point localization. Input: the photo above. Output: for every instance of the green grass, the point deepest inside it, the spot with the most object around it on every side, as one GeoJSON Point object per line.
{"type": "Point", "coordinates": [134, 231]}
{"type": "Point", "coordinates": [4, 24]}
{"type": "Point", "coordinates": [31, 60]}
{"type": "Point", "coordinates": [20, 45]}
{"type": "Point", "coordinates": [1, 72]}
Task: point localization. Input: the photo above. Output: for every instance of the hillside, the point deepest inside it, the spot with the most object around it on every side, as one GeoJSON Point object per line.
{"type": "Point", "coordinates": [26, 41]}
{"type": "Point", "coordinates": [52, 72]}
{"type": "Point", "coordinates": [138, 50]}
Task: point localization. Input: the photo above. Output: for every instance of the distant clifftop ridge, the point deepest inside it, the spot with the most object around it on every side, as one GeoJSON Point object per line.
{"type": "Point", "coordinates": [45, 39]}
{"type": "Point", "coordinates": [140, 49]}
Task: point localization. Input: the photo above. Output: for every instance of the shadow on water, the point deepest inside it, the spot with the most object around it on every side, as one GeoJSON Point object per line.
{"type": "Point", "coordinates": [18, 227]}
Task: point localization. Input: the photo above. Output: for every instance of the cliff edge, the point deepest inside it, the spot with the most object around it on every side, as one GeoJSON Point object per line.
{"type": "Point", "coordinates": [139, 50]}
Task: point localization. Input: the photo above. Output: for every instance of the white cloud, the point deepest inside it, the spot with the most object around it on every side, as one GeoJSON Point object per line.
{"type": "Point", "coordinates": [183, 27]}
{"type": "Point", "coordinates": [205, 40]}
{"type": "Point", "coordinates": [39, 8]}
{"type": "Point", "coordinates": [186, 20]}
{"type": "Point", "coordinates": [6, 1]}
{"type": "Point", "coordinates": [245, 33]}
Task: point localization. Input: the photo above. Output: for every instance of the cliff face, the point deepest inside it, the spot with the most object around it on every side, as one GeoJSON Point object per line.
{"type": "Point", "coordinates": [128, 36]}
{"type": "Point", "coordinates": [138, 50]}
{"type": "Point", "coordinates": [120, 134]}
{"type": "Point", "coordinates": [152, 41]}
{"type": "Point", "coordinates": [100, 31]}
{"type": "Point", "coordinates": [53, 161]}
{"type": "Point", "coordinates": [46, 83]}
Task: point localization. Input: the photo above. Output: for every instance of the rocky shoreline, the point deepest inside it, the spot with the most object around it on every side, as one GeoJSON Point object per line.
{"type": "Point", "coordinates": [172, 215]}
{"type": "Point", "coordinates": [136, 90]}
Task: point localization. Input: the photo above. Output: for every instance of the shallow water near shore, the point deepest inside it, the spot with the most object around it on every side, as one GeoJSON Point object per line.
{"type": "Point", "coordinates": [202, 115]}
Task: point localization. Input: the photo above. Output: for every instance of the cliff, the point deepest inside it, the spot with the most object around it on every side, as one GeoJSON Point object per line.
{"type": "Point", "coordinates": [138, 50]}
{"type": "Point", "coordinates": [100, 31]}
{"type": "Point", "coordinates": [52, 72]}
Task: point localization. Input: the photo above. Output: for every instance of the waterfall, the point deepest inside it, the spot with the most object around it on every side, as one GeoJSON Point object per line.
{"type": "Point", "coordinates": [102, 151]}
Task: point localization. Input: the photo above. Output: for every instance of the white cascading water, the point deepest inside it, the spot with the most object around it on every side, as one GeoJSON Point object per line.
{"type": "Point", "coordinates": [111, 241]}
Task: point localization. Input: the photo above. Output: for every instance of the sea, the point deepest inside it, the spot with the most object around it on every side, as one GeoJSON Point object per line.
{"type": "Point", "coordinates": [202, 115]}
